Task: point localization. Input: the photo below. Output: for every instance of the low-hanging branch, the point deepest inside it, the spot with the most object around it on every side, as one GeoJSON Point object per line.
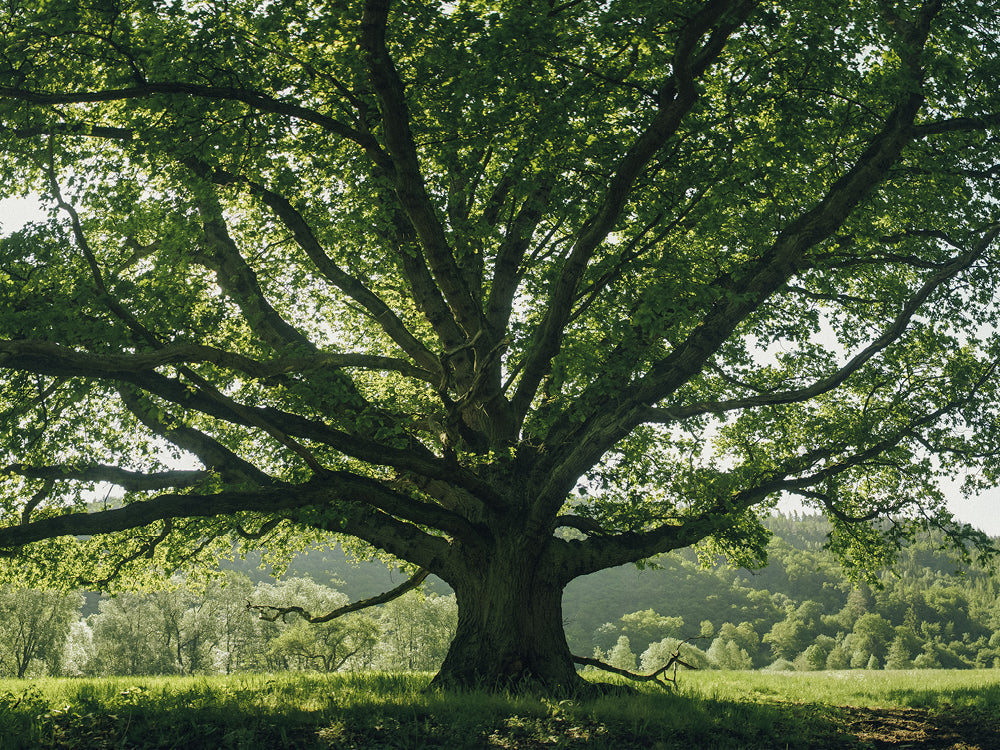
{"type": "Point", "coordinates": [271, 613]}
{"type": "Point", "coordinates": [674, 661]}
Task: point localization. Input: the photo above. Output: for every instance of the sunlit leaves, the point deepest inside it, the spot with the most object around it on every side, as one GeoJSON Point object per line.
{"type": "Point", "coordinates": [241, 187]}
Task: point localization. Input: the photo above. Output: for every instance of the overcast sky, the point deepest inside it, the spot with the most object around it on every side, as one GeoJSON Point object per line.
{"type": "Point", "coordinates": [14, 212]}
{"type": "Point", "coordinates": [982, 512]}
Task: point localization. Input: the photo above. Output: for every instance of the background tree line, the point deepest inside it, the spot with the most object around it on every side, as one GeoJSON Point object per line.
{"type": "Point", "coordinates": [192, 629]}
{"type": "Point", "coordinates": [799, 612]}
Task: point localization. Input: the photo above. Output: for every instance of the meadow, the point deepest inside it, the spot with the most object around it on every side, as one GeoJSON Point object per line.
{"type": "Point", "coordinates": [719, 710]}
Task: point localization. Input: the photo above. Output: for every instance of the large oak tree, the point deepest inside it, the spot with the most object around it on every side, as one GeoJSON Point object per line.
{"type": "Point", "coordinates": [513, 291]}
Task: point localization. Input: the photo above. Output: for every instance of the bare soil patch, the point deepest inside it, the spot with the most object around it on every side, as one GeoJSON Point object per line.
{"type": "Point", "coordinates": [900, 728]}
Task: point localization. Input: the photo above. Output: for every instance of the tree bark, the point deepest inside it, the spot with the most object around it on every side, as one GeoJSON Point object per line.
{"type": "Point", "coordinates": [510, 630]}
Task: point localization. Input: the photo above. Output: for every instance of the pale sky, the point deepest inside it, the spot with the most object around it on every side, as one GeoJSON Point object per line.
{"type": "Point", "coordinates": [16, 212]}
{"type": "Point", "coordinates": [982, 511]}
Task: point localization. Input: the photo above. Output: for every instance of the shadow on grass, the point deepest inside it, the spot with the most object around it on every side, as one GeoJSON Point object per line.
{"type": "Point", "coordinates": [393, 712]}
{"type": "Point", "coordinates": [396, 711]}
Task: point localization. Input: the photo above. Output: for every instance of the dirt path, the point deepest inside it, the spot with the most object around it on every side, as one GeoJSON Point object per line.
{"type": "Point", "coordinates": [899, 728]}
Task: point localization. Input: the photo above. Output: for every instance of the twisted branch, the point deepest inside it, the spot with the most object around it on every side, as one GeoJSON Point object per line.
{"type": "Point", "coordinates": [674, 661]}
{"type": "Point", "coordinates": [270, 613]}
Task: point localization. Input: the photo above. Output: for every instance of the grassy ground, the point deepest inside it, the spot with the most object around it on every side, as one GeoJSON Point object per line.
{"type": "Point", "coordinates": [718, 710]}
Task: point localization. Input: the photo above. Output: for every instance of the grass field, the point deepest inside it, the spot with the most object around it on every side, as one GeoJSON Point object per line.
{"type": "Point", "coordinates": [717, 710]}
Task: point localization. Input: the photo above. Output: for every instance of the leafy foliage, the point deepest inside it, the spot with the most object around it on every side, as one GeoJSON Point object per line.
{"type": "Point", "coordinates": [33, 626]}
{"type": "Point", "coordinates": [452, 278]}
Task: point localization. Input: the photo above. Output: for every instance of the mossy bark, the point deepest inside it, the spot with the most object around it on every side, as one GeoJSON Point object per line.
{"type": "Point", "coordinates": [510, 631]}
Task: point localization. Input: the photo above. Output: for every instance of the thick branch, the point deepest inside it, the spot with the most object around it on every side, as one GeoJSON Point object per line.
{"type": "Point", "coordinates": [97, 364]}
{"type": "Point", "coordinates": [257, 100]}
{"type": "Point", "coordinates": [136, 515]}
{"type": "Point", "coordinates": [597, 552]}
{"type": "Point", "coordinates": [130, 480]}
{"type": "Point", "coordinates": [416, 458]}
{"type": "Point", "coordinates": [213, 454]}
{"type": "Point", "coordinates": [399, 538]}
{"type": "Point", "coordinates": [968, 124]}
{"type": "Point", "coordinates": [83, 129]}
{"type": "Point", "coordinates": [506, 269]}
{"type": "Point", "coordinates": [676, 99]}
{"type": "Point", "coordinates": [275, 612]}
{"type": "Point", "coordinates": [239, 281]}
{"type": "Point", "coordinates": [401, 506]}
{"type": "Point", "coordinates": [350, 285]}
{"type": "Point", "coordinates": [891, 334]}
{"type": "Point", "coordinates": [36, 499]}
{"type": "Point", "coordinates": [338, 502]}
{"type": "Point", "coordinates": [407, 178]}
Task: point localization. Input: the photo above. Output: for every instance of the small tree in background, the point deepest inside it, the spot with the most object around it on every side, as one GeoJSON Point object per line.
{"type": "Point", "coordinates": [416, 630]}
{"type": "Point", "coordinates": [131, 637]}
{"type": "Point", "coordinates": [727, 654]}
{"type": "Point", "coordinates": [291, 642]}
{"type": "Point", "coordinates": [34, 626]}
{"type": "Point", "coordinates": [78, 651]}
{"type": "Point", "coordinates": [621, 655]}
{"type": "Point", "coordinates": [898, 656]}
{"type": "Point", "coordinates": [659, 653]}
{"type": "Point", "coordinates": [238, 643]}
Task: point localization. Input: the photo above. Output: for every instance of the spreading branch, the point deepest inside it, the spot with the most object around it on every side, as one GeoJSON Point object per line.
{"type": "Point", "coordinates": [138, 481]}
{"type": "Point", "coordinates": [718, 19]}
{"type": "Point", "coordinates": [259, 101]}
{"type": "Point", "coordinates": [350, 285]}
{"type": "Point", "coordinates": [75, 361]}
{"type": "Point", "coordinates": [891, 334]}
{"type": "Point", "coordinates": [406, 174]}
{"type": "Point", "coordinates": [586, 440]}
{"type": "Point", "coordinates": [272, 613]}
{"type": "Point", "coordinates": [674, 662]}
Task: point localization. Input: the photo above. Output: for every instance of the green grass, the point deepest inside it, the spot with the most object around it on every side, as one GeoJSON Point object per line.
{"type": "Point", "coordinates": [711, 709]}
{"type": "Point", "coordinates": [938, 689]}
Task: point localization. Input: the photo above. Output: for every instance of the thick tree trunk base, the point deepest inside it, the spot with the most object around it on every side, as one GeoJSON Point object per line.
{"type": "Point", "coordinates": [516, 670]}
{"type": "Point", "coordinates": [524, 684]}
{"type": "Point", "coordinates": [524, 670]}
{"type": "Point", "coordinates": [510, 633]}
{"type": "Point", "coordinates": [575, 687]}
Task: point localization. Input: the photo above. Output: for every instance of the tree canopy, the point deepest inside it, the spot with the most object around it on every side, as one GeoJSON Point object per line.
{"type": "Point", "coordinates": [512, 291]}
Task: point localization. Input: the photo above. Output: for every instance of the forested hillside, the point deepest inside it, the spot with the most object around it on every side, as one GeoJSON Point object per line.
{"type": "Point", "coordinates": [799, 612]}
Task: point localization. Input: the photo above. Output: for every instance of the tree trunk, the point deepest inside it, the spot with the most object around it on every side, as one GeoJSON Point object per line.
{"type": "Point", "coordinates": [510, 631]}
